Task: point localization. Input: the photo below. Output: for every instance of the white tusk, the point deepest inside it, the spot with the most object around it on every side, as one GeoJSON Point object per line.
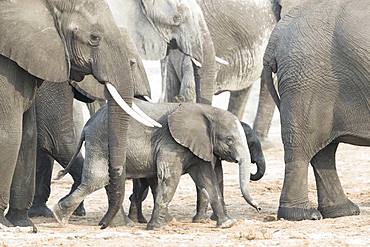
{"type": "Point", "coordinates": [221, 61]}
{"type": "Point", "coordinates": [115, 95]}
{"type": "Point", "coordinates": [146, 117]}
{"type": "Point", "coordinates": [147, 98]}
{"type": "Point", "coordinates": [196, 62]}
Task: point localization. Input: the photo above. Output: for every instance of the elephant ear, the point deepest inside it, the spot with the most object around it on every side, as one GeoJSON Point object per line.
{"type": "Point", "coordinates": [28, 37]}
{"type": "Point", "coordinates": [190, 127]}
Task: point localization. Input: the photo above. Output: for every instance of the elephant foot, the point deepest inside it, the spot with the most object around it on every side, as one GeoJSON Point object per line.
{"type": "Point", "coordinates": [136, 216]}
{"type": "Point", "coordinates": [40, 211]}
{"type": "Point", "coordinates": [4, 221]}
{"type": "Point", "coordinates": [226, 223]}
{"type": "Point", "coordinates": [60, 214]}
{"type": "Point", "coordinates": [214, 217]}
{"type": "Point", "coordinates": [296, 214]}
{"type": "Point", "coordinates": [80, 210]}
{"type": "Point", "coordinates": [347, 209]}
{"type": "Point", "coordinates": [152, 225]}
{"type": "Point", "coordinates": [20, 218]}
{"type": "Point", "coordinates": [200, 218]}
{"type": "Point", "coordinates": [121, 219]}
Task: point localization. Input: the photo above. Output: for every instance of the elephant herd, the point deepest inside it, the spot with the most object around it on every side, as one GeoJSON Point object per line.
{"type": "Point", "coordinates": [312, 57]}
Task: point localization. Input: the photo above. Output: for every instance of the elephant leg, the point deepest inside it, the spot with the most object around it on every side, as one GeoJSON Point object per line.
{"type": "Point", "coordinates": [202, 206]}
{"type": "Point", "coordinates": [294, 204]}
{"type": "Point", "coordinates": [265, 112]}
{"type": "Point", "coordinates": [44, 169]}
{"type": "Point", "coordinates": [238, 101]}
{"type": "Point", "coordinates": [66, 206]}
{"type": "Point", "coordinates": [206, 180]}
{"type": "Point", "coordinates": [331, 198]}
{"type": "Point", "coordinates": [76, 172]}
{"type": "Point", "coordinates": [168, 179]}
{"type": "Point", "coordinates": [220, 178]}
{"type": "Point", "coordinates": [139, 193]}
{"type": "Point", "coordinates": [10, 142]}
{"type": "Point", "coordinates": [120, 219]}
{"type": "Point", "coordinates": [23, 184]}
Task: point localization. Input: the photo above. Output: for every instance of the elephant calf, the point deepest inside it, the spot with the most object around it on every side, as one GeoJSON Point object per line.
{"type": "Point", "coordinates": [193, 137]}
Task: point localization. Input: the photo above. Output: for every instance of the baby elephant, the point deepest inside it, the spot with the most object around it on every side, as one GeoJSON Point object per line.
{"type": "Point", "coordinates": [193, 137]}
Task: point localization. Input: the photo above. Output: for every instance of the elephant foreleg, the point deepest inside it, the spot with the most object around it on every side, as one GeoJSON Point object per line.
{"type": "Point", "coordinates": [332, 200]}
{"type": "Point", "coordinates": [23, 184]}
{"type": "Point", "coordinates": [238, 101]}
{"type": "Point", "coordinates": [206, 180]}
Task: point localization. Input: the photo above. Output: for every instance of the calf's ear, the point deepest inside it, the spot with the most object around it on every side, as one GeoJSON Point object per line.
{"type": "Point", "coordinates": [190, 126]}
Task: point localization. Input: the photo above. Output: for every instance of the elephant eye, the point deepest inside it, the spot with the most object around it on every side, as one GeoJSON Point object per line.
{"type": "Point", "coordinates": [229, 140]}
{"type": "Point", "coordinates": [94, 39]}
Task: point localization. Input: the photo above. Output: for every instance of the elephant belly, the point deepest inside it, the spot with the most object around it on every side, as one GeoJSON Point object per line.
{"type": "Point", "coordinates": [139, 160]}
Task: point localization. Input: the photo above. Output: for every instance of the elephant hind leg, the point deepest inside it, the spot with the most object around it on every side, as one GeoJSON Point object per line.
{"type": "Point", "coordinates": [331, 198]}
{"type": "Point", "coordinates": [238, 101]}
{"type": "Point", "coordinates": [139, 193]}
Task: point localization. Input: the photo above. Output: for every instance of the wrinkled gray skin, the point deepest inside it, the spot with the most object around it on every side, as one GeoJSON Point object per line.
{"type": "Point", "coordinates": [240, 31]}
{"type": "Point", "coordinates": [54, 40]}
{"type": "Point", "coordinates": [58, 128]}
{"type": "Point", "coordinates": [57, 138]}
{"type": "Point", "coordinates": [192, 139]}
{"type": "Point", "coordinates": [157, 26]}
{"type": "Point", "coordinates": [321, 55]}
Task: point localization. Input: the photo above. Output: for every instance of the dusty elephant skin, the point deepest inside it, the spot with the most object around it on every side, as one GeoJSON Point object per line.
{"type": "Point", "coordinates": [165, 154]}
{"type": "Point", "coordinates": [56, 41]}
{"type": "Point", "coordinates": [321, 55]}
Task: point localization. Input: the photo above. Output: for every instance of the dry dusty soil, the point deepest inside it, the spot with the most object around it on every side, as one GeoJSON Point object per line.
{"type": "Point", "coordinates": [252, 228]}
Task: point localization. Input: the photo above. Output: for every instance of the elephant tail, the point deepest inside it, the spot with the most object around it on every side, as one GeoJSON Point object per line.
{"type": "Point", "coordinates": [255, 150]}
{"type": "Point", "coordinates": [266, 78]}
{"type": "Point", "coordinates": [63, 172]}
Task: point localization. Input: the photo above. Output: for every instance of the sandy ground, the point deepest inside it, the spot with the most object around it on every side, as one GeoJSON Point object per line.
{"type": "Point", "coordinates": [252, 228]}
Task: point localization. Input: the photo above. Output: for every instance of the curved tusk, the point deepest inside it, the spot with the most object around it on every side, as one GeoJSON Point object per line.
{"type": "Point", "coordinates": [115, 95]}
{"type": "Point", "coordinates": [147, 98]}
{"type": "Point", "coordinates": [196, 62]}
{"type": "Point", "coordinates": [221, 61]}
{"type": "Point", "coordinates": [146, 117]}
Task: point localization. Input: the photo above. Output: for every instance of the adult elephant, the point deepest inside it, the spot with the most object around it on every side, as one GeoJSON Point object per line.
{"type": "Point", "coordinates": [57, 136]}
{"type": "Point", "coordinates": [240, 31]}
{"type": "Point", "coordinates": [52, 40]}
{"type": "Point", "coordinates": [321, 55]}
{"type": "Point", "coordinates": [157, 26]}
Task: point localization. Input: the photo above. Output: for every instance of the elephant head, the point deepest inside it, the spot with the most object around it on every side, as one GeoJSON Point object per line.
{"type": "Point", "coordinates": [212, 133]}
{"type": "Point", "coordinates": [59, 40]}
{"type": "Point", "coordinates": [157, 26]}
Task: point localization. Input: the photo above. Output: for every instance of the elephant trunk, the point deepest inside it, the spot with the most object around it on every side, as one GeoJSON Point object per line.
{"type": "Point", "coordinates": [205, 77]}
{"type": "Point", "coordinates": [255, 150]}
{"type": "Point", "coordinates": [244, 173]}
{"type": "Point", "coordinates": [243, 158]}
